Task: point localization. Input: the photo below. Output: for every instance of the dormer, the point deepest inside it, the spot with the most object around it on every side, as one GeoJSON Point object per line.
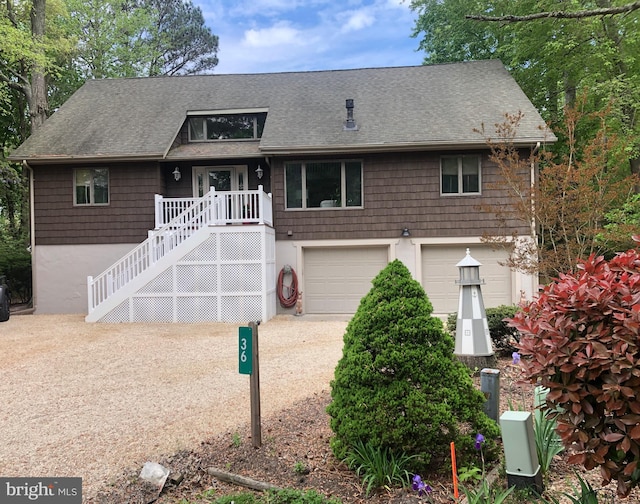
{"type": "Point", "coordinates": [230, 125]}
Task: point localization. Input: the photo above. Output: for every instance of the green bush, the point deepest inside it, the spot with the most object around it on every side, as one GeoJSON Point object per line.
{"type": "Point", "coordinates": [504, 338]}
{"type": "Point", "coordinates": [15, 265]}
{"type": "Point", "coordinates": [398, 385]}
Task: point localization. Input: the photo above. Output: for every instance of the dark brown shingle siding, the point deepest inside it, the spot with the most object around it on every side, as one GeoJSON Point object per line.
{"type": "Point", "coordinates": [127, 218]}
{"type": "Point", "coordinates": [400, 190]}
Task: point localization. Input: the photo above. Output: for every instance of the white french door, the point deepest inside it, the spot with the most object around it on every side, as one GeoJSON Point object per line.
{"type": "Point", "coordinates": [222, 178]}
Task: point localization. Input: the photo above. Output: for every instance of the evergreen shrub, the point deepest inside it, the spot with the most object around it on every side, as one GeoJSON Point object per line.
{"type": "Point", "coordinates": [15, 265]}
{"type": "Point", "coordinates": [398, 384]}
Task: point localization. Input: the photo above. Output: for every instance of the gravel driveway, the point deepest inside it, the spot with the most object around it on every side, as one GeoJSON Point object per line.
{"type": "Point", "coordinates": [90, 400]}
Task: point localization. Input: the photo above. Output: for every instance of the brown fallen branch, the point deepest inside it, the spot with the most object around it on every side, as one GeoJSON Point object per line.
{"type": "Point", "coordinates": [236, 479]}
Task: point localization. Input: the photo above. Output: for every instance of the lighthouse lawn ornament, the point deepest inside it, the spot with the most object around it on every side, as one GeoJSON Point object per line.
{"type": "Point", "coordinates": [473, 341]}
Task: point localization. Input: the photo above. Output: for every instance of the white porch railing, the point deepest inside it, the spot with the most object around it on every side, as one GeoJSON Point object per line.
{"type": "Point", "coordinates": [232, 207]}
{"type": "Point", "coordinates": [176, 220]}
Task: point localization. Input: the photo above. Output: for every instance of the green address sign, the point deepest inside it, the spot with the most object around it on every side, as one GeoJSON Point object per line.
{"type": "Point", "coordinates": [245, 353]}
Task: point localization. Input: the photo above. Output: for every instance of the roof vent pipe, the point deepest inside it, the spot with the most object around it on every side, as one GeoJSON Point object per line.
{"type": "Point", "coordinates": [350, 123]}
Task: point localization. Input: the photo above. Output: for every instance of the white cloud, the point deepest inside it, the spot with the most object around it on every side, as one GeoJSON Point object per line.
{"type": "Point", "coordinates": [280, 34]}
{"type": "Point", "coordinates": [300, 35]}
{"type": "Point", "coordinates": [358, 20]}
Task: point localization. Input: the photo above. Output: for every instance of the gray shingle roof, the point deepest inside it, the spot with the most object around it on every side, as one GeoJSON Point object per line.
{"type": "Point", "coordinates": [422, 107]}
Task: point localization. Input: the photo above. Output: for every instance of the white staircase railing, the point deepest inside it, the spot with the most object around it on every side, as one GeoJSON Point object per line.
{"type": "Point", "coordinates": [176, 220]}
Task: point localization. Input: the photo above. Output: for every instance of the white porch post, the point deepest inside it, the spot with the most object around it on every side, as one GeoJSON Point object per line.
{"type": "Point", "coordinates": [90, 293]}
{"type": "Point", "coordinates": [157, 200]}
{"type": "Point", "coordinates": [261, 204]}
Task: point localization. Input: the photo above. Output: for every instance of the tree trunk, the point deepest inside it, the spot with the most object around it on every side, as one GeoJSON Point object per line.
{"type": "Point", "coordinates": [38, 102]}
{"type": "Point", "coordinates": [635, 170]}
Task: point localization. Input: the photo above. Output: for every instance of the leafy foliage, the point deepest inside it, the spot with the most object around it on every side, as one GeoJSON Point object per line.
{"type": "Point", "coordinates": [580, 340]}
{"type": "Point", "coordinates": [126, 38]}
{"type": "Point", "coordinates": [378, 466]}
{"type": "Point", "coordinates": [15, 265]}
{"type": "Point", "coordinates": [554, 62]}
{"type": "Point", "coordinates": [551, 60]}
{"type": "Point", "coordinates": [286, 496]}
{"type": "Point", "coordinates": [503, 336]}
{"type": "Point", "coordinates": [621, 224]}
{"type": "Point", "coordinates": [565, 209]}
{"type": "Point", "coordinates": [486, 493]}
{"type": "Point", "coordinates": [548, 443]}
{"type": "Point", "coordinates": [585, 494]}
{"type": "Point", "coordinates": [398, 385]}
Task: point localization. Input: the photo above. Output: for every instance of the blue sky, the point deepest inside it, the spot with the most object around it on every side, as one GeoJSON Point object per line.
{"type": "Point", "coordinates": [259, 36]}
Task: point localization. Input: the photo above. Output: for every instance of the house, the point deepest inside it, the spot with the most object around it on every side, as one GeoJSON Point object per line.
{"type": "Point", "coordinates": [198, 197]}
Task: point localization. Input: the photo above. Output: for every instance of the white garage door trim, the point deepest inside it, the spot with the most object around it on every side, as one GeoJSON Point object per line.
{"type": "Point", "coordinates": [336, 279]}
{"type": "Point", "coordinates": [439, 275]}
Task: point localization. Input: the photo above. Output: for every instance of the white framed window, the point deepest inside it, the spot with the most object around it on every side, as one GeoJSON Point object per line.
{"type": "Point", "coordinates": [91, 186]}
{"type": "Point", "coordinates": [323, 184]}
{"type": "Point", "coordinates": [460, 175]}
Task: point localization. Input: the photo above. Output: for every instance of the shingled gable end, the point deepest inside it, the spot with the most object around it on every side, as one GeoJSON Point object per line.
{"type": "Point", "coordinates": [319, 171]}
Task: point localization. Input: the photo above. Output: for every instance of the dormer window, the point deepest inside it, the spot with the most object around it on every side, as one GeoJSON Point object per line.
{"type": "Point", "coordinates": [227, 126]}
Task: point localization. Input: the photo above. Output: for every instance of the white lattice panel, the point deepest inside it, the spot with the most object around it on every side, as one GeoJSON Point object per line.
{"type": "Point", "coordinates": [152, 309]}
{"type": "Point", "coordinates": [240, 308]}
{"type": "Point", "coordinates": [222, 278]}
{"type": "Point", "coordinates": [205, 252]}
{"type": "Point", "coordinates": [118, 315]}
{"type": "Point", "coordinates": [197, 309]}
{"type": "Point", "coordinates": [163, 283]}
{"type": "Point", "coordinates": [196, 278]}
{"type": "Point", "coordinates": [246, 246]}
{"type": "Point", "coordinates": [241, 278]}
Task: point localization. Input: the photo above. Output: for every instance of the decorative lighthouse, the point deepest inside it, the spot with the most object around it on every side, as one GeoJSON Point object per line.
{"type": "Point", "coordinates": [473, 341]}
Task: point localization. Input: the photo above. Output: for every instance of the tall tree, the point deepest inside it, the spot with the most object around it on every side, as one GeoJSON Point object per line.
{"type": "Point", "coordinates": [566, 208]}
{"type": "Point", "coordinates": [26, 55]}
{"type": "Point", "coordinates": [125, 38]}
{"type": "Point", "coordinates": [180, 41]}
{"type": "Point", "coordinates": [552, 53]}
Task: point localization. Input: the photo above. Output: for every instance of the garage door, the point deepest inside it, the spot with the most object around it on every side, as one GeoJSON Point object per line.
{"type": "Point", "coordinates": [336, 279]}
{"type": "Point", "coordinates": [439, 275]}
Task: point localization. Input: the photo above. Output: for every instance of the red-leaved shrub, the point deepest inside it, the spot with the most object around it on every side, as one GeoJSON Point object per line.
{"type": "Point", "coordinates": [580, 339]}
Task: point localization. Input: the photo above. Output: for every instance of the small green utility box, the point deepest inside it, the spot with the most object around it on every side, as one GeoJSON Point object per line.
{"type": "Point", "coordinates": [521, 458]}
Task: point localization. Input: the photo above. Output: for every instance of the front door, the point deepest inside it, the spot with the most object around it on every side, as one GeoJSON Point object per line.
{"type": "Point", "coordinates": [222, 178]}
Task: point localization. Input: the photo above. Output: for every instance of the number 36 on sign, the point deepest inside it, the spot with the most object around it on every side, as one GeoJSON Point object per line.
{"type": "Point", "coordinates": [245, 353]}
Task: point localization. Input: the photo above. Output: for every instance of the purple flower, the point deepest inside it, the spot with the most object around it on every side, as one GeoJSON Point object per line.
{"type": "Point", "coordinates": [420, 486]}
{"type": "Point", "coordinates": [479, 441]}
{"type": "Point", "coordinates": [516, 357]}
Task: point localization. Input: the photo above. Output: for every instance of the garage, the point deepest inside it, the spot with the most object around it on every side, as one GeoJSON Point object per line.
{"type": "Point", "coordinates": [439, 275]}
{"type": "Point", "coordinates": [336, 279]}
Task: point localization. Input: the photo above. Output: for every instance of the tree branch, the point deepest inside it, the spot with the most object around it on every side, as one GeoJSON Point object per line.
{"type": "Point", "coordinates": [23, 88]}
{"type": "Point", "coordinates": [606, 11]}
{"type": "Point", "coordinates": [240, 480]}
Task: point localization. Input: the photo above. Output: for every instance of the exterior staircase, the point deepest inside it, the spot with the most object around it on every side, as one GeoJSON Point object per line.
{"type": "Point", "coordinates": [209, 259]}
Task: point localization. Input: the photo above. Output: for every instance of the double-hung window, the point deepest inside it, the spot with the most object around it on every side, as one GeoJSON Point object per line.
{"type": "Point", "coordinates": [460, 174]}
{"type": "Point", "coordinates": [91, 186]}
{"type": "Point", "coordinates": [323, 184]}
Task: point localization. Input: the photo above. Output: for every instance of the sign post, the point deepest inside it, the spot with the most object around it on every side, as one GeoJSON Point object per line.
{"type": "Point", "coordinates": [248, 363]}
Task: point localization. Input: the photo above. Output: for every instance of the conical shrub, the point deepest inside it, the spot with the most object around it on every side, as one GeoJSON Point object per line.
{"type": "Point", "coordinates": [398, 385]}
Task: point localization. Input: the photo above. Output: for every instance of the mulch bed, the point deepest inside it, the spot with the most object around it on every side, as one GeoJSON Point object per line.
{"type": "Point", "coordinates": [295, 453]}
